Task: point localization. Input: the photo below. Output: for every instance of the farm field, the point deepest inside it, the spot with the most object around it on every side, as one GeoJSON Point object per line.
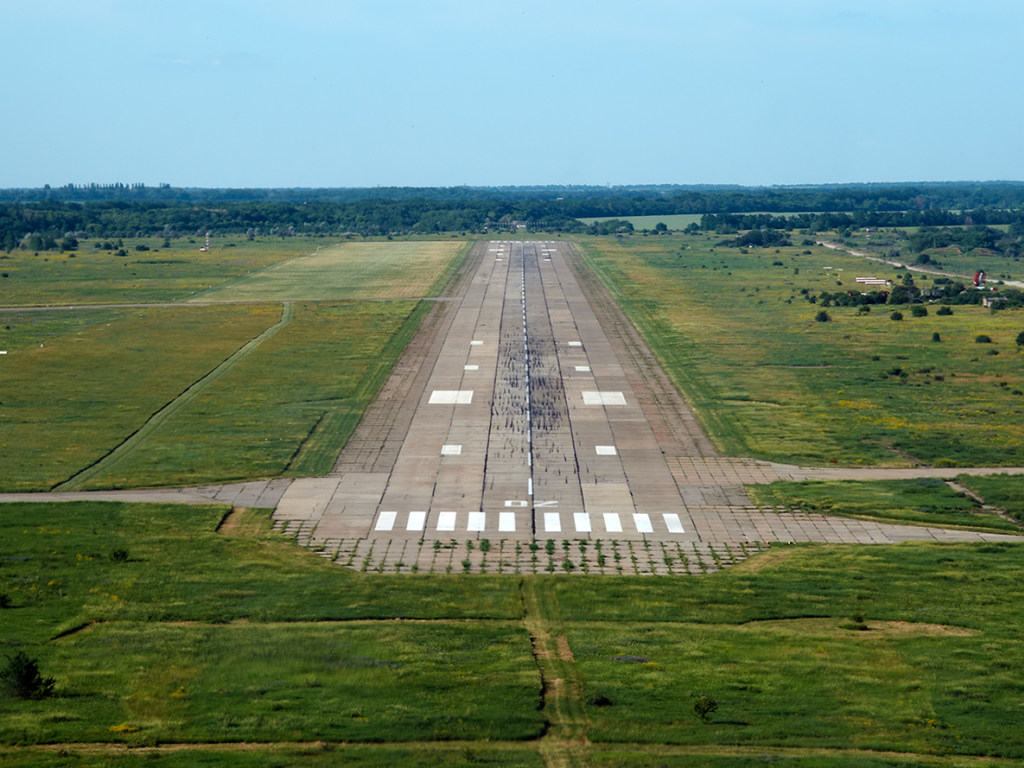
{"type": "Point", "coordinates": [176, 393]}
{"type": "Point", "coordinates": [737, 332]}
{"type": "Point", "coordinates": [826, 655]}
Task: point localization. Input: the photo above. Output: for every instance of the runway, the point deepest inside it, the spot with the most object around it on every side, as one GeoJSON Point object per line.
{"type": "Point", "coordinates": [524, 422]}
{"type": "Point", "coordinates": [527, 426]}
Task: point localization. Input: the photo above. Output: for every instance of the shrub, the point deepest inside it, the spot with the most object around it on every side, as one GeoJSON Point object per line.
{"type": "Point", "coordinates": [944, 310]}
{"type": "Point", "coordinates": [119, 556]}
{"type": "Point", "coordinates": [705, 706]}
{"type": "Point", "coordinates": [1020, 339]}
{"type": "Point", "coordinates": [822, 317]}
{"type": "Point", "coordinates": [21, 678]}
{"type": "Point", "coordinates": [982, 338]}
{"type": "Point", "coordinates": [897, 315]}
{"type": "Point", "coordinates": [919, 311]}
{"type": "Point", "coordinates": [863, 309]}
{"type": "Point", "coordinates": [936, 337]}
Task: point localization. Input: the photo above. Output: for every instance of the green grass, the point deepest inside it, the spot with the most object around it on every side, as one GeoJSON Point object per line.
{"type": "Point", "coordinates": [377, 270]}
{"type": "Point", "coordinates": [266, 682]}
{"type": "Point", "coordinates": [1006, 492]}
{"type": "Point", "coordinates": [735, 331]}
{"type": "Point", "coordinates": [274, 756]}
{"type": "Point", "coordinates": [76, 385]}
{"type": "Point", "coordinates": [79, 383]}
{"type": "Point", "coordinates": [287, 409]}
{"type": "Point", "coordinates": [250, 639]}
{"type": "Point", "coordinates": [914, 648]}
{"type": "Point", "coordinates": [906, 648]}
{"type": "Point", "coordinates": [91, 276]}
{"type": "Point", "coordinates": [675, 221]}
{"type": "Point", "coordinates": [924, 501]}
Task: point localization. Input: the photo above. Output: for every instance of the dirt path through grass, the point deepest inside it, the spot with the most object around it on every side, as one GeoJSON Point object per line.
{"type": "Point", "coordinates": [565, 742]}
{"type": "Point", "coordinates": [153, 423]}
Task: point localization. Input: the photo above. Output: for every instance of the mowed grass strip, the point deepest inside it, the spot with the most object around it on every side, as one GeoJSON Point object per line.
{"type": "Point", "coordinates": [75, 385]}
{"type": "Point", "coordinates": [364, 270]}
{"type": "Point", "coordinates": [736, 332]}
{"type": "Point", "coordinates": [925, 501]}
{"type": "Point", "coordinates": [286, 409]}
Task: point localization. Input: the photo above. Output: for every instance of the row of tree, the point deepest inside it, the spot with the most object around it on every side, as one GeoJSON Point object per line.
{"type": "Point", "coordinates": [136, 210]}
{"type": "Point", "coordinates": [579, 201]}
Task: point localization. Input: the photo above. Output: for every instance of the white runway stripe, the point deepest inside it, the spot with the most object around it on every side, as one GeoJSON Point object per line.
{"type": "Point", "coordinates": [612, 522]}
{"type": "Point", "coordinates": [446, 521]}
{"type": "Point", "coordinates": [643, 522]}
{"type": "Point", "coordinates": [673, 523]}
{"type": "Point", "coordinates": [506, 522]}
{"type": "Point", "coordinates": [582, 522]}
{"type": "Point", "coordinates": [477, 521]}
{"type": "Point", "coordinates": [386, 521]}
{"type": "Point", "coordinates": [552, 522]}
{"type": "Point", "coordinates": [416, 521]}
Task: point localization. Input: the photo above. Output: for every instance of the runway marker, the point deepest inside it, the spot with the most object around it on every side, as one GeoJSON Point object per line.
{"type": "Point", "coordinates": [582, 522]}
{"type": "Point", "coordinates": [606, 450]}
{"type": "Point", "coordinates": [575, 343]}
{"type": "Point", "coordinates": [552, 522]}
{"type": "Point", "coordinates": [471, 367]}
{"type": "Point", "coordinates": [516, 503]}
{"type": "Point", "coordinates": [416, 521]}
{"type": "Point", "coordinates": [475, 343]}
{"type": "Point", "coordinates": [506, 522]}
{"type": "Point", "coordinates": [386, 521]}
{"type": "Point", "coordinates": [603, 398]}
{"type": "Point", "coordinates": [673, 523]}
{"type": "Point", "coordinates": [451, 450]}
{"type": "Point", "coordinates": [612, 523]}
{"type": "Point", "coordinates": [451, 397]}
{"type": "Point", "coordinates": [643, 522]}
{"type": "Point", "coordinates": [582, 369]}
{"type": "Point", "coordinates": [446, 521]}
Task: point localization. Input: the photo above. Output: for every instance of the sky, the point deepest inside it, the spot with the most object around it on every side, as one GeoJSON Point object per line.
{"type": "Point", "coordinates": [365, 93]}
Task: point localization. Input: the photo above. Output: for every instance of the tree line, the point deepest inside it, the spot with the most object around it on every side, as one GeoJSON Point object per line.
{"type": "Point", "coordinates": [49, 215]}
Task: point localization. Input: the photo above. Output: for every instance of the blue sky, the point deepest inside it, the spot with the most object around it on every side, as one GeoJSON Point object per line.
{"type": "Point", "coordinates": [306, 93]}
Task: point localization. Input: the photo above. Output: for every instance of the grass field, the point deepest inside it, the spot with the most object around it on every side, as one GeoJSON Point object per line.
{"type": "Point", "coordinates": [391, 270]}
{"type": "Point", "coordinates": [833, 655]}
{"type": "Point", "coordinates": [676, 221]}
{"type": "Point", "coordinates": [93, 276]}
{"type": "Point", "coordinates": [196, 390]}
{"type": "Point", "coordinates": [924, 501]}
{"type": "Point", "coordinates": [737, 333]}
